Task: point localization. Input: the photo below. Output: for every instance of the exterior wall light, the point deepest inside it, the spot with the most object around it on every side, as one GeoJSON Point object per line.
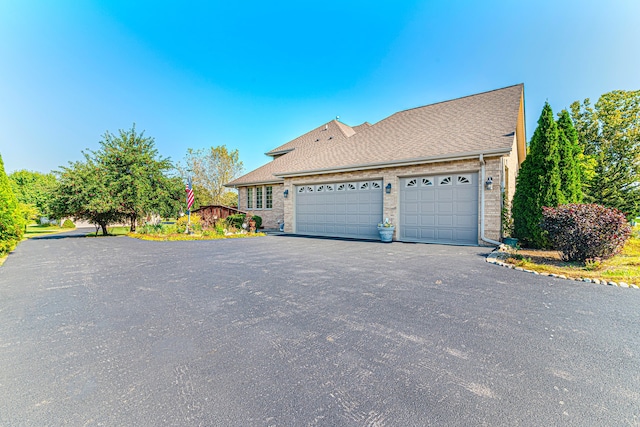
{"type": "Point", "coordinates": [388, 188]}
{"type": "Point", "coordinates": [286, 193]}
{"type": "Point", "coordinates": [489, 184]}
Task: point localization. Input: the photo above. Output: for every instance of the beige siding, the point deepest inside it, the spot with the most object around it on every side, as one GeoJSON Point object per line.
{"type": "Point", "coordinates": [493, 168]}
{"type": "Point", "coordinates": [512, 164]}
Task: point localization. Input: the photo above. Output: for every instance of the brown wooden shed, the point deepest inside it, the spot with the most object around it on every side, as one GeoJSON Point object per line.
{"type": "Point", "coordinates": [210, 214]}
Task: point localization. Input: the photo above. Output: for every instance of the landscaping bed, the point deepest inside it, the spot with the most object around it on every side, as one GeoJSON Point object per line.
{"type": "Point", "coordinates": [187, 237]}
{"type": "Point", "coordinates": [624, 267]}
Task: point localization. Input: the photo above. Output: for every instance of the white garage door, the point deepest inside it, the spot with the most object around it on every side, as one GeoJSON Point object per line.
{"type": "Point", "coordinates": [440, 209]}
{"type": "Point", "coordinates": [345, 209]}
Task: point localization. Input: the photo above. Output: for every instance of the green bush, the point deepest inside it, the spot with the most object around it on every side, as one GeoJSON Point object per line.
{"type": "Point", "coordinates": [585, 231]}
{"type": "Point", "coordinates": [151, 229]}
{"type": "Point", "coordinates": [220, 227]}
{"type": "Point", "coordinates": [236, 220]}
{"type": "Point", "coordinates": [196, 224]}
{"type": "Point", "coordinates": [11, 219]}
{"type": "Point", "coordinates": [68, 224]}
{"type": "Point", "coordinates": [169, 229]}
{"type": "Point", "coordinates": [258, 221]}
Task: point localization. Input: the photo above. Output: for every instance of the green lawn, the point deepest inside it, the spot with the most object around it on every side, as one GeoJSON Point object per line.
{"type": "Point", "coordinates": [113, 231]}
{"type": "Point", "coordinates": [35, 230]}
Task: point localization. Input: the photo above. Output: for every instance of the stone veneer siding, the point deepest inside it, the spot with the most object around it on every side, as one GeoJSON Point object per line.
{"type": "Point", "coordinates": [270, 217]}
{"type": "Point", "coordinates": [494, 167]}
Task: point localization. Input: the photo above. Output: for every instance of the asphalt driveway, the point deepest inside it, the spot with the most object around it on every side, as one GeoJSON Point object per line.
{"type": "Point", "coordinates": [290, 331]}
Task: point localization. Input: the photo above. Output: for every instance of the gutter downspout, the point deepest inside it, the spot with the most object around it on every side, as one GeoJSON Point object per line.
{"type": "Point", "coordinates": [482, 236]}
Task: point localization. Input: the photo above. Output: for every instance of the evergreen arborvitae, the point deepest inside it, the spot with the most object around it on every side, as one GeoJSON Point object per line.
{"type": "Point", "coordinates": [538, 182]}
{"type": "Point", "coordinates": [10, 216]}
{"type": "Point", "coordinates": [570, 154]}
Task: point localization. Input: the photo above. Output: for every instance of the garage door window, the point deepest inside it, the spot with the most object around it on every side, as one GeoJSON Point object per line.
{"type": "Point", "coordinates": [464, 179]}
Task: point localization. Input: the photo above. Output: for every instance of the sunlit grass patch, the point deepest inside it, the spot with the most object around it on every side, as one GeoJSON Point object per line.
{"type": "Point", "coordinates": [624, 267]}
{"type": "Point", "coordinates": [35, 230]}
{"type": "Point", "coordinates": [113, 231]}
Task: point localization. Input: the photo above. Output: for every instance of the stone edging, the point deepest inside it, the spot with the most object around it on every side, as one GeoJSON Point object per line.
{"type": "Point", "coordinates": [496, 257]}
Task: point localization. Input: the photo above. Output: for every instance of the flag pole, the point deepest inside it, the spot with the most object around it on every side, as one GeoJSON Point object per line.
{"type": "Point", "coordinates": [189, 190]}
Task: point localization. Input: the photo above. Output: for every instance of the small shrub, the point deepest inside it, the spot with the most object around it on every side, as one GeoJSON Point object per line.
{"type": "Point", "coordinates": [196, 224]}
{"type": "Point", "coordinates": [219, 227]}
{"type": "Point", "coordinates": [169, 229]}
{"type": "Point", "coordinates": [150, 229]}
{"type": "Point", "coordinates": [68, 224]}
{"type": "Point", "coordinates": [585, 231]}
{"type": "Point", "coordinates": [258, 221]}
{"type": "Point", "coordinates": [236, 220]}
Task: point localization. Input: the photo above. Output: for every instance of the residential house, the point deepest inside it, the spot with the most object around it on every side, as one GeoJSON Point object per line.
{"type": "Point", "coordinates": [438, 172]}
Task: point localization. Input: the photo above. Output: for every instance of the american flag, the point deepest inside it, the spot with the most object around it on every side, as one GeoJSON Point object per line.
{"type": "Point", "coordinates": [190, 196]}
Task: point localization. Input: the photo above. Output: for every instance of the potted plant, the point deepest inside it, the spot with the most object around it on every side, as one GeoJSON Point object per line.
{"type": "Point", "coordinates": [385, 229]}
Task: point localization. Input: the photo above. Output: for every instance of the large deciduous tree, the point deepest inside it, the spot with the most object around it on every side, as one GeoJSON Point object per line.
{"type": "Point", "coordinates": [125, 179]}
{"type": "Point", "coordinates": [538, 182]}
{"type": "Point", "coordinates": [34, 189]}
{"type": "Point", "coordinates": [609, 134]}
{"type": "Point", "coordinates": [137, 176]}
{"type": "Point", "coordinates": [230, 198]}
{"type": "Point", "coordinates": [11, 221]}
{"type": "Point", "coordinates": [83, 192]}
{"type": "Point", "coordinates": [211, 169]}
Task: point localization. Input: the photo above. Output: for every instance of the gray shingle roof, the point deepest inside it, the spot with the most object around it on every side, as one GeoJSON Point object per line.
{"type": "Point", "coordinates": [481, 123]}
{"type": "Point", "coordinates": [284, 155]}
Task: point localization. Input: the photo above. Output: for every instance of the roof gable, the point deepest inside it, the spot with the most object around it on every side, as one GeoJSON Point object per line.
{"type": "Point", "coordinates": [326, 132]}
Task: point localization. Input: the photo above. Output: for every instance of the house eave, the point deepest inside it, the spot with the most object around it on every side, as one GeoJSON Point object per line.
{"type": "Point", "coordinates": [249, 184]}
{"type": "Point", "coordinates": [277, 153]}
{"type": "Point", "coordinates": [396, 163]}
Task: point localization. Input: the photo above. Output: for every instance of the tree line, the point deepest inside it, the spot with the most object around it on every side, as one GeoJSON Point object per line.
{"type": "Point", "coordinates": [590, 154]}
{"type": "Point", "coordinates": [124, 180]}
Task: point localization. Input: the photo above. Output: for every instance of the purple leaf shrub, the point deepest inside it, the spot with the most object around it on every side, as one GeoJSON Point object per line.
{"type": "Point", "coordinates": [585, 231]}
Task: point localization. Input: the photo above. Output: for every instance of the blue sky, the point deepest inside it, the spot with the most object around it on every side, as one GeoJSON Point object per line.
{"type": "Point", "coordinates": [253, 75]}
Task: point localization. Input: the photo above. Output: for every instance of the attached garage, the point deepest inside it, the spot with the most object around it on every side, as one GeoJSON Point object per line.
{"type": "Point", "coordinates": [342, 209]}
{"type": "Point", "coordinates": [433, 159]}
{"type": "Point", "coordinates": [439, 209]}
